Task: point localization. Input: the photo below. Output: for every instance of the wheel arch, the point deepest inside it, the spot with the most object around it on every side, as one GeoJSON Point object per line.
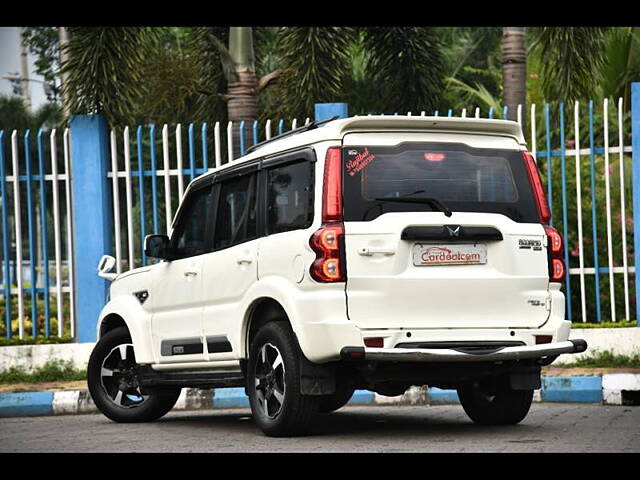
{"type": "Point", "coordinates": [260, 312]}
{"type": "Point", "coordinates": [127, 312]}
{"type": "Point", "coordinates": [111, 322]}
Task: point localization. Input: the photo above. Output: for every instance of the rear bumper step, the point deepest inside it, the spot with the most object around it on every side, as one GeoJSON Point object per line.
{"type": "Point", "coordinates": [451, 355]}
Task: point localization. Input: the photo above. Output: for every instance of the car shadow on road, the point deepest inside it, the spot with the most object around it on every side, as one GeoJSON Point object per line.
{"type": "Point", "coordinates": [356, 421]}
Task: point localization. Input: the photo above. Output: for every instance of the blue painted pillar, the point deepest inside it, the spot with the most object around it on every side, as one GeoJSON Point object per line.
{"type": "Point", "coordinates": [635, 165]}
{"type": "Point", "coordinates": [92, 218]}
{"type": "Point", "coordinates": [324, 111]}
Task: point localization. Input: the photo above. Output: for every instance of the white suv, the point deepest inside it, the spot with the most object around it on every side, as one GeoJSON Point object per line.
{"type": "Point", "coordinates": [364, 253]}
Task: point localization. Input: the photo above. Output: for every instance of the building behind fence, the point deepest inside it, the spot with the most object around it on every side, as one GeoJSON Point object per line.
{"type": "Point", "coordinates": [103, 190]}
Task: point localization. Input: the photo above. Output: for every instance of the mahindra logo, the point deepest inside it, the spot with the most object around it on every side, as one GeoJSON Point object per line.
{"type": "Point", "coordinates": [454, 230]}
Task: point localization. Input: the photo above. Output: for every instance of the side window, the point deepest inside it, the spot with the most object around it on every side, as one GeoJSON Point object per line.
{"type": "Point", "coordinates": [289, 197]}
{"type": "Point", "coordinates": [237, 212]}
{"type": "Point", "coordinates": [189, 237]}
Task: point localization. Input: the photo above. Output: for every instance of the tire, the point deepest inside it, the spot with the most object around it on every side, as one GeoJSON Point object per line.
{"type": "Point", "coordinates": [331, 403]}
{"type": "Point", "coordinates": [495, 405]}
{"type": "Point", "coordinates": [278, 407]}
{"type": "Point", "coordinates": [117, 395]}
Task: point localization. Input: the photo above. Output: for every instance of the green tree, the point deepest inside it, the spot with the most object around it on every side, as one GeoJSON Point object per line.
{"type": "Point", "coordinates": [622, 64]}
{"type": "Point", "coordinates": [103, 71]}
{"type": "Point", "coordinates": [574, 58]}
{"type": "Point", "coordinates": [44, 44]}
{"type": "Point", "coordinates": [15, 116]}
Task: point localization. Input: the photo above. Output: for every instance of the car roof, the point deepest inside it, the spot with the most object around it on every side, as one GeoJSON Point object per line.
{"type": "Point", "coordinates": [336, 129]}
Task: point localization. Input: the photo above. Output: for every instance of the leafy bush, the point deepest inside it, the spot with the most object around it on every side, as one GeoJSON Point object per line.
{"type": "Point", "coordinates": [52, 371]}
{"type": "Point", "coordinates": [608, 359]}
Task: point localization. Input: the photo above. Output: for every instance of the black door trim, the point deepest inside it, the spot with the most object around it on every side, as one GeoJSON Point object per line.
{"type": "Point", "coordinates": [181, 346]}
{"type": "Point", "coordinates": [218, 344]}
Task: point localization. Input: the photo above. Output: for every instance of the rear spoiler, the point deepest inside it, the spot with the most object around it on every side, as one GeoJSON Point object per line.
{"type": "Point", "coordinates": [483, 126]}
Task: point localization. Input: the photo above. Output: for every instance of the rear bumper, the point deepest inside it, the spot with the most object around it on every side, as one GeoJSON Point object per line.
{"type": "Point", "coordinates": [454, 355]}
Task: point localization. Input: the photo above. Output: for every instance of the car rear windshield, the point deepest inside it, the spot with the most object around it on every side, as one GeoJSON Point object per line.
{"type": "Point", "coordinates": [465, 179]}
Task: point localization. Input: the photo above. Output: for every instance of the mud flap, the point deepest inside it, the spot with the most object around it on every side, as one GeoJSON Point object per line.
{"type": "Point", "coordinates": [525, 377]}
{"type": "Point", "coordinates": [317, 379]}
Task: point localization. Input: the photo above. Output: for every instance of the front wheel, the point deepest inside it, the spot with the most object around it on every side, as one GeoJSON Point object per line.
{"type": "Point", "coordinates": [273, 383]}
{"type": "Point", "coordinates": [113, 383]}
{"type": "Point", "coordinates": [495, 405]}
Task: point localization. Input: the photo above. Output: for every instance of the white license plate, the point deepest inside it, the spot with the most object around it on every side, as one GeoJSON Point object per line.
{"type": "Point", "coordinates": [449, 254]}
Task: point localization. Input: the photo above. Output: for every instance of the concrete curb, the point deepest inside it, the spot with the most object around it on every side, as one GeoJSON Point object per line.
{"type": "Point", "coordinates": [606, 389]}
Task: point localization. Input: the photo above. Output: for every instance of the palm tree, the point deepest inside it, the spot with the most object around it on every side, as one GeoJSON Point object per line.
{"type": "Point", "coordinates": [573, 59]}
{"type": "Point", "coordinates": [102, 70]}
{"type": "Point", "coordinates": [514, 70]}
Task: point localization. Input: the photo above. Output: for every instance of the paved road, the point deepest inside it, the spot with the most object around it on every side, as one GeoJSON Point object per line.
{"type": "Point", "coordinates": [548, 428]}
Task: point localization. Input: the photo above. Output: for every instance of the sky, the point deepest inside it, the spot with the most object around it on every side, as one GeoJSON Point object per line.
{"type": "Point", "coordinates": [10, 63]}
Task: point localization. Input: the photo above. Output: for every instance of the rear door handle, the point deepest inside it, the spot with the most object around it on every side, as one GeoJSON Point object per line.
{"type": "Point", "coordinates": [241, 261]}
{"type": "Point", "coordinates": [368, 251]}
{"type": "Point", "coordinates": [190, 274]}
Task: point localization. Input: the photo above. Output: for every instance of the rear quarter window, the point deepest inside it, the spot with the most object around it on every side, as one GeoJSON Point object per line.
{"type": "Point", "coordinates": [465, 179]}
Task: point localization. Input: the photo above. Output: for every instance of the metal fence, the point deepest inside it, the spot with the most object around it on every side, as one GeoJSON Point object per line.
{"type": "Point", "coordinates": [583, 150]}
{"type": "Point", "coordinates": [561, 138]}
{"type": "Point", "coordinates": [37, 257]}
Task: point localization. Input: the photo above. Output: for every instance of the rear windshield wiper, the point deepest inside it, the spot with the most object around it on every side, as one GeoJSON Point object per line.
{"type": "Point", "coordinates": [433, 202]}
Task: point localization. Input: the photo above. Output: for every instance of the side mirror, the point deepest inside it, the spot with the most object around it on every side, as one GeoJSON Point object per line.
{"type": "Point", "coordinates": [157, 246]}
{"type": "Point", "coordinates": [105, 265]}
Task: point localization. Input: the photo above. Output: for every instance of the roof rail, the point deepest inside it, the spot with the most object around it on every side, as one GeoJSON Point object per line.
{"type": "Point", "coordinates": [304, 128]}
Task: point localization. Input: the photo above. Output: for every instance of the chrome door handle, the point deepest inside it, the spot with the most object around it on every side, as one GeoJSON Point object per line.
{"type": "Point", "coordinates": [190, 274]}
{"type": "Point", "coordinates": [368, 251]}
{"type": "Point", "coordinates": [241, 261]}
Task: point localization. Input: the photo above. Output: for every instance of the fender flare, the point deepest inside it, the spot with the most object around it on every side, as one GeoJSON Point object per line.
{"type": "Point", "coordinates": [287, 295]}
{"type": "Point", "coordinates": [138, 322]}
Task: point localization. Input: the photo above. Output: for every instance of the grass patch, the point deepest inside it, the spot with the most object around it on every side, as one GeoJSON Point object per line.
{"type": "Point", "coordinates": [621, 324]}
{"type": "Point", "coordinates": [607, 359]}
{"type": "Point", "coordinates": [7, 342]}
{"type": "Point", "coordinates": [52, 371]}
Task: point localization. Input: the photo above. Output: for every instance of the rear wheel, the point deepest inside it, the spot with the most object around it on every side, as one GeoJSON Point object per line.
{"type": "Point", "coordinates": [490, 404]}
{"type": "Point", "coordinates": [273, 383]}
{"type": "Point", "coordinates": [113, 383]}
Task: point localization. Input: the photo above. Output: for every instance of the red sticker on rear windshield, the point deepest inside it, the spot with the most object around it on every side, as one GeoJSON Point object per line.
{"type": "Point", "coordinates": [359, 161]}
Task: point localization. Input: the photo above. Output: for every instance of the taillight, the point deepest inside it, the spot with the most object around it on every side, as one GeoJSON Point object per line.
{"type": "Point", "coordinates": [332, 187]}
{"type": "Point", "coordinates": [434, 157]}
{"type": "Point", "coordinates": [536, 185]}
{"type": "Point", "coordinates": [327, 241]}
{"type": "Point", "coordinates": [557, 268]}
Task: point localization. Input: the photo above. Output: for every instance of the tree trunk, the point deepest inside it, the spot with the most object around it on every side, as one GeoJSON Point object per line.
{"type": "Point", "coordinates": [24, 72]}
{"type": "Point", "coordinates": [242, 105]}
{"type": "Point", "coordinates": [514, 71]}
{"type": "Point", "coordinates": [64, 39]}
{"type": "Point", "coordinates": [242, 102]}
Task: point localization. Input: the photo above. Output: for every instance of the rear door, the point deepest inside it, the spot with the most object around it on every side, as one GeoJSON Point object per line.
{"type": "Point", "coordinates": [411, 266]}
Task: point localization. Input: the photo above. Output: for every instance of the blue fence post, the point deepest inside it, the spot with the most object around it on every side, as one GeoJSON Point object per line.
{"type": "Point", "coordinates": [323, 111]}
{"type": "Point", "coordinates": [93, 218]}
{"type": "Point", "coordinates": [635, 162]}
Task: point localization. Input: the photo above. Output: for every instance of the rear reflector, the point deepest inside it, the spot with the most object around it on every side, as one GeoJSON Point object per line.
{"type": "Point", "coordinates": [543, 339]}
{"type": "Point", "coordinates": [375, 342]}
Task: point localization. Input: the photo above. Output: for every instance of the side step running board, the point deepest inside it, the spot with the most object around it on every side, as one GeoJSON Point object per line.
{"type": "Point", "coordinates": [149, 378]}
